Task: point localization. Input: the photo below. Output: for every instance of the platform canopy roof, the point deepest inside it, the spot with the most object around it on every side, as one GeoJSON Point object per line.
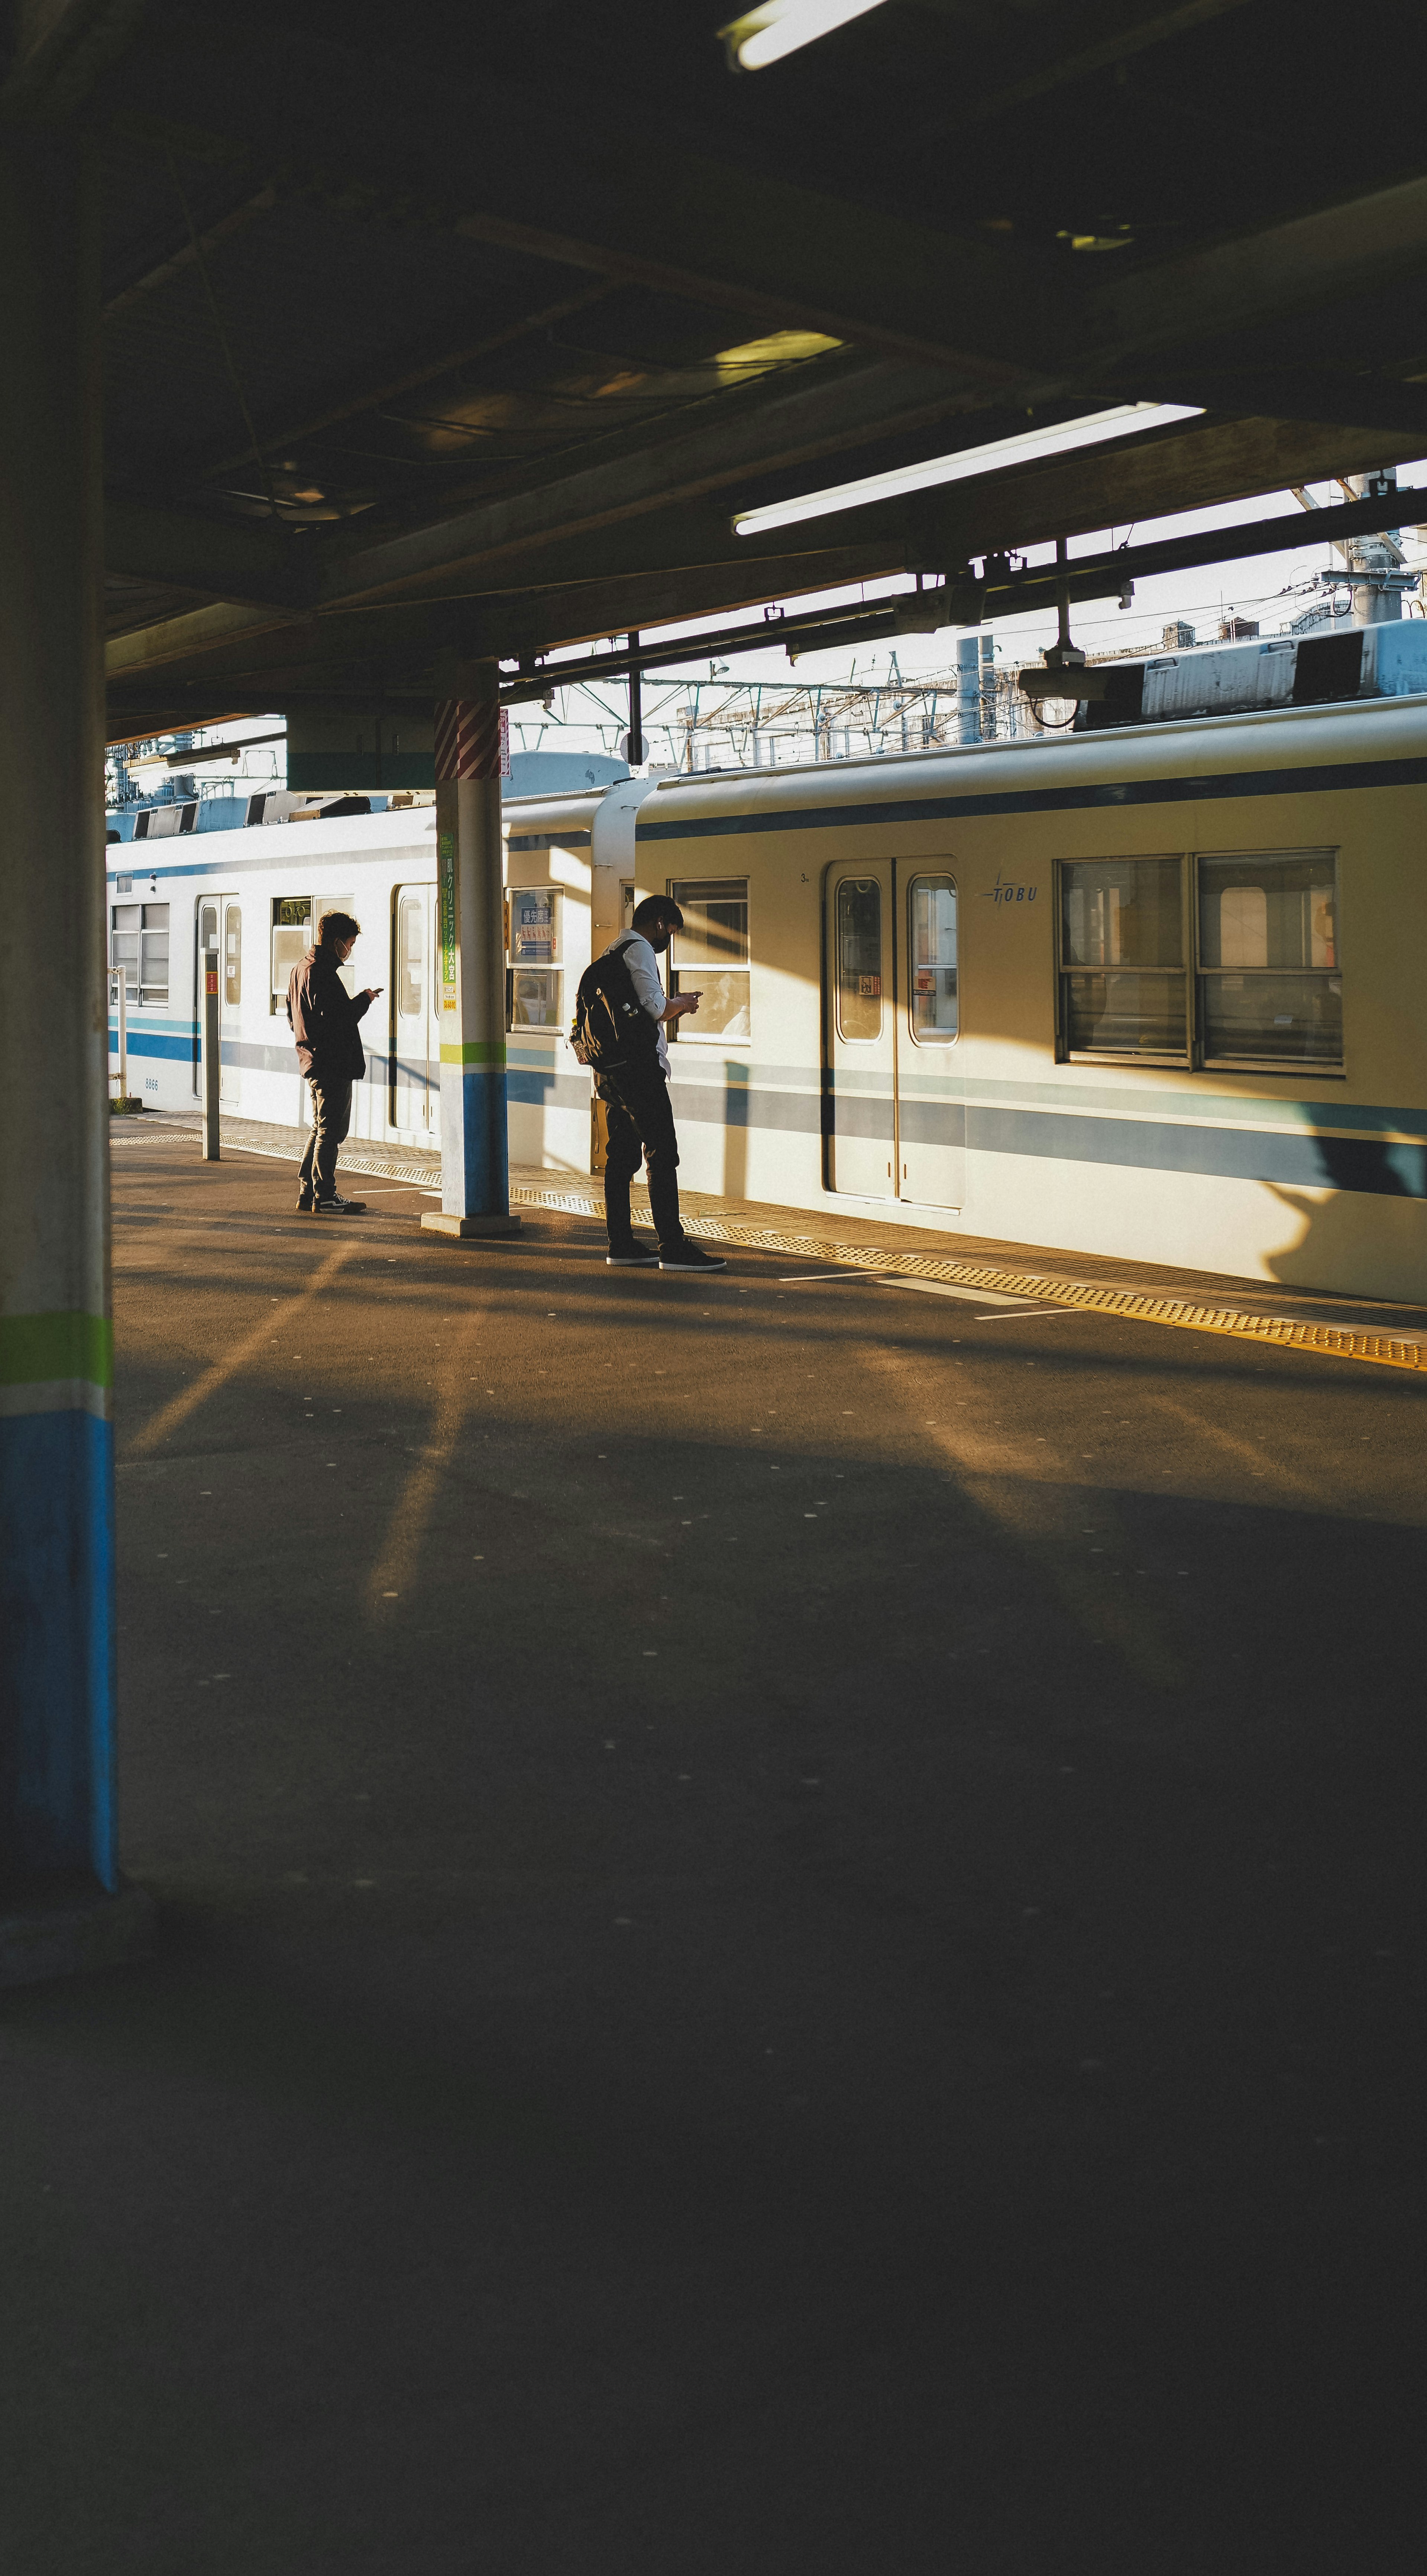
{"type": "Point", "coordinates": [437, 331]}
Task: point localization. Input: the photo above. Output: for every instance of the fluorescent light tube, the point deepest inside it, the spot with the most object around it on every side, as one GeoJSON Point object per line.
{"type": "Point", "coordinates": [1032, 448]}
{"type": "Point", "coordinates": [763, 36]}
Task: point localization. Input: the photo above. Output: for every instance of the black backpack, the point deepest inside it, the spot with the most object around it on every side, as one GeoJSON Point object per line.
{"type": "Point", "coordinates": [611, 1027]}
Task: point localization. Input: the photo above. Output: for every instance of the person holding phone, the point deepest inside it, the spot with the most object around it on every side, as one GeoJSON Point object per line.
{"type": "Point", "coordinates": [639, 1117]}
{"type": "Point", "coordinates": [323, 1018]}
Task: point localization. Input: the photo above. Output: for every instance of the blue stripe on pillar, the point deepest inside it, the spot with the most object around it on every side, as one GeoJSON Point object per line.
{"type": "Point", "coordinates": [57, 1680]}
{"type": "Point", "coordinates": [473, 1120]}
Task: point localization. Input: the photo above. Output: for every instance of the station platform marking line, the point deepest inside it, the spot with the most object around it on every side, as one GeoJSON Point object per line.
{"type": "Point", "coordinates": [1128, 1305]}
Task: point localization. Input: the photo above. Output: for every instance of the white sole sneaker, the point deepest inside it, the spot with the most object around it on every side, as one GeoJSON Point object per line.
{"type": "Point", "coordinates": [694, 1259]}
{"type": "Point", "coordinates": [631, 1260]}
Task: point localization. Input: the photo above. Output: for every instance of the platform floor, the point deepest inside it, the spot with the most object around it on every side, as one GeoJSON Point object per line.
{"type": "Point", "coordinates": [780, 1951]}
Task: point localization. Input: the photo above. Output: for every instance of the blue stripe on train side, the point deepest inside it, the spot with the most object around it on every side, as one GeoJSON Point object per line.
{"type": "Point", "coordinates": [1378, 1166]}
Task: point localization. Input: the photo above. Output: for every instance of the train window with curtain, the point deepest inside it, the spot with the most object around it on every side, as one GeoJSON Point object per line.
{"type": "Point", "coordinates": [153, 955]}
{"type": "Point", "coordinates": [1270, 980]}
{"type": "Point", "coordinates": [138, 941]}
{"type": "Point", "coordinates": [533, 977]}
{"type": "Point", "coordinates": [1123, 978]}
{"type": "Point", "coordinates": [124, 944]}
{"type": "Point", "coordinates": [859, 960]}
{"type": "Point", "coordinates": [710, 956]}
{"type": "Point", "coordinates": [931, 959]}
{"type": "Point", "coordinates": [292, 937]}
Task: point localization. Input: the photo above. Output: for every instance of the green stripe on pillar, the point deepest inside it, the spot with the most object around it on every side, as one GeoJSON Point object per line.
{"type": "Point", "coordinates": [476, 1051]}
{"type": "Point", "coordinates": [37, 1348]}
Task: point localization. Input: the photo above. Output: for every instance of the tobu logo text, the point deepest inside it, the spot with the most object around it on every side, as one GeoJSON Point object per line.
{"type": "Point", "coordinates": [1002, 893]}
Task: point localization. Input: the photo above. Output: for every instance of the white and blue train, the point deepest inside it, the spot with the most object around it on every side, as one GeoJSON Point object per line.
{"type": "Point", "coordinates": [1155, 990]}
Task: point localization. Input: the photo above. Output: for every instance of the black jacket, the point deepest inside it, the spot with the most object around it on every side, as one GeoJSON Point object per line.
{"type": "Point", "coordinates": [323, 1019]}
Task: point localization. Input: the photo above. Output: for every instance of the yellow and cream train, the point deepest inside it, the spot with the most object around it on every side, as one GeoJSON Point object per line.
{"type": "Point", "coordinates": [1156, 991]}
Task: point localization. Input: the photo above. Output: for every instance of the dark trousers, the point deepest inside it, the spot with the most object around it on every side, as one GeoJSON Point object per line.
{"type": "Point", "coordinates": [641, 1125]}
{"type": "Point", "coordinates": [331, 1118]}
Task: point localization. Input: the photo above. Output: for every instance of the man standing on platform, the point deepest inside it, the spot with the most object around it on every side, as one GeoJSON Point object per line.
{"type": "Point", "coordinates": [635, 1092]}
{"type": "Point", "coordinates": [323, 1017]}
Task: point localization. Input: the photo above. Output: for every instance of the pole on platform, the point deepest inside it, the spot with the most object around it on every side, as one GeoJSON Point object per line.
{"type": "Point", "coordinates": [212, 1057]}
{"type": "Point", "coordinates": [61, 1905]}
{"type": "Point", "coordinates": [470, 896]}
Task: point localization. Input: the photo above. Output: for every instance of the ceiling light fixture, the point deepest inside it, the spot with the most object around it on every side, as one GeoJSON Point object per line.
{"type": "Point", "coordinates": [1032, 447]}
{"type": "Point", "coordinates": [763, 36]}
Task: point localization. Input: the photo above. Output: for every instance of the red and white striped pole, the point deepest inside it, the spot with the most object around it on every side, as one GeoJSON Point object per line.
{"type": "Point", "coordinates": [470, 757]}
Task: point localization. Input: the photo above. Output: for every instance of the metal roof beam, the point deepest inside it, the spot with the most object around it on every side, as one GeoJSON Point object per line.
{"type": "Point", "coordinates": [1352, 249]}
{"type": "Point", "coordinates": [215, 558]}
{"type": "Point", "coordinates": [1120, 42]}
{"type": "Point", "coordinates": [780, 432]}
{"type": "Point", "coordinates": [619, 201]}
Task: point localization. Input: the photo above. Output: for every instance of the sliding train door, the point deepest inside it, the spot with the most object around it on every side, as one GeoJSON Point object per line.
{"type": "Point", "coordinates": [896, 1121]}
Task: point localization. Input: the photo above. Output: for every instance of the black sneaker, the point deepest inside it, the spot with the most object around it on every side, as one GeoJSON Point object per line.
{"type": "Point", "coordinates": [630, 1256]}
{"type": "Point", "coordinates": [336, 1206]}
{"type": "Point", "coordinates": [692, 1256]}
{"type": "Point", "coordinates": [304, 1204]}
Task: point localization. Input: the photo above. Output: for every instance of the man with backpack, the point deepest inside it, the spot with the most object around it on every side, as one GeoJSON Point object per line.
{"type": "Point", "coordinates": [620, 1017]}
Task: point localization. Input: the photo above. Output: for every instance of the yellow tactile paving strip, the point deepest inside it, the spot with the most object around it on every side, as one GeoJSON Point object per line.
{"type": "Point", "coordinates": [1332, 1341]}
{"type": "Point", "coordinates": [1131, 1305]}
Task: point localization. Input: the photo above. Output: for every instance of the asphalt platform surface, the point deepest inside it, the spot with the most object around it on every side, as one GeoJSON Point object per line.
{"type": "Point", "coordinates": [790, 1933]}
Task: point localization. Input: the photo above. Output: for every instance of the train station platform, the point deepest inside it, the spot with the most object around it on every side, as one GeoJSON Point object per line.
{"type": "Point", "coordinates": [787, 1915]}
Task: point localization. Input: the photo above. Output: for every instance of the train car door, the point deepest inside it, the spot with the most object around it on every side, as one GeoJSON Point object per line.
{"type": "Point", "coordinates": [896, 1116]}
{"type": "Point", "coordinates": [415, 1073]}
{"type": "Point", "coordinates": [862, 1031]}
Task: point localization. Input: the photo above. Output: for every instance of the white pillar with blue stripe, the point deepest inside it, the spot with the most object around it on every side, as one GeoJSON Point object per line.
{"type": "Point", "coordinates": [60, 1903]}
{"type": "Point", "coordinates": [475, 1169]}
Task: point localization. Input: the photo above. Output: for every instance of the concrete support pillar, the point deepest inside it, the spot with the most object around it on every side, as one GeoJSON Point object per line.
{"type": "Point", "coordinates": [58, 1865]}
{"type": "Point", "coordinates": [475, 1174]}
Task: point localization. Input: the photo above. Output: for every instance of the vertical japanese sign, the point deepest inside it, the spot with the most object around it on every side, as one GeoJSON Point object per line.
{"type": "Point", "coordinates": [446, 911]}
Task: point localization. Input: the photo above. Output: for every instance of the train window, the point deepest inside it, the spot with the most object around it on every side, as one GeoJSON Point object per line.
{"type": "Point", "coordinates": [859, 960]}
{"type": "Point", "coordinates": [138, 941]}
{"type": "Point", "coordinates": [232, 955]}
{"type": "Point", "coordinates": [1270, 990]}
{"type": "Point", "coordinates": [931, 955]}
{"type": "Point", "coordinates": [710, 956]}
{"type": "Point", "coordinates": [124, 944]}
{"type": "Point", "coordinates": [292, 937]}
{"type": "Point", "coordinates": [626, 907]}
{"type": "Point", "coordinates": [534, 917]}
{"type": "Point", "coordinates": [1124, 988]}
